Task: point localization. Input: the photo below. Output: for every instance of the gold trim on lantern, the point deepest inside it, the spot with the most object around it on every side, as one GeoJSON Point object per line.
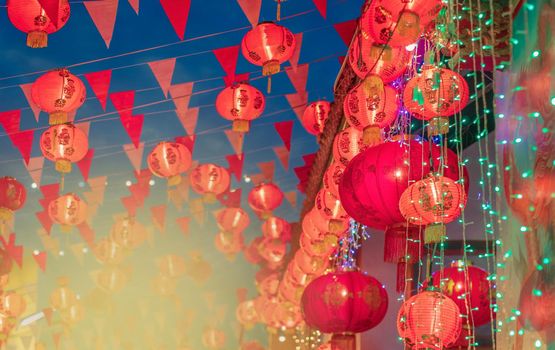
{"type": "Point", "coordinates": [174, 180]}
{"type": "Point", "coordinates": [434, 233]}
{"type": "Point", "coordinates": [381, 51]}
{"type": "Point", "coordinates": [5, 214]}
{"type": "Point", "coordinates": [63, 166]}
{"type": "Point", "coordinates": [335, 225]}
{"type": "Point", "coordinates": [37, 39]}
{"type": "Point", "coordinates": [438, 126]}
{"type": "Point", "coordinates": [66, 228]}
{"type": "Point", "coordinates": [372, 135]}
{"type": "Point", "coordinates": [57, 118]}
{"type": "Point", "coordinates": [241, 125]}
{"type": "Point", "coordinates": [271, 67]}
{"type": "Point", "coordinates": [209, 198]}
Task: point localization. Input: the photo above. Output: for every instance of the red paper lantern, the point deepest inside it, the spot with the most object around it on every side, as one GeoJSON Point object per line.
{"type": "Point", "coordinates": [229, 244]}
{"type": "Point", "coordinates": [329, 207]}
{"type": "Point", "coordinates": [58, 93]}
{"type": "Point", "coordinates": [246, 313]}
{"type": "Point", "coordinates": [434, 95]}
{"type": "Point", "coordinates": [317, 227]}
{"type": "Point", "coordinates": [469, 288]}
{"type": "Point", "coordinates": [276, 228]}
{"type": "Point", "coordinates": [537, 302]}
{"type": "Point", "coordinates": [268, 45]}
{"type": "Point", "coordinates": [287, 315]}
{"type": "Point", "coordinates": [367, 57]}
{"type": "Point", "coordinates": [12, 197]}
{"type": "Point", "coordinates": [347, 144]}
{"type": "Point", "coordinates": [309, 264]}
{"type": "Point", "coordinates": [429, 320]}
{"type": "Point", "coordinates": [240, 103]}
{"type": "Point", "coordinates": [108, 252]}
{"type": "Point", "coordinates": [267, 282]}
{"type": "Point", "coordinates": [289, 291]}
{"type": "Point", "coordinates": [68, 210]}
{"type": "Point", "coordinates": [128, 233]}
{"type": "Point", "coordinates": [169, 160]}
{"type": "Point", "coordinates": [210, 180]}
{"type": "Point", "coordinates": [265, 198]}
{"type": "Point", "coordinates": [344, 302]}
{"type": "Point", "coordinates": [251, 252]}
{"type": "Point", "coordinates": [265, 308]}
{"type": "Point", "coordinates": [64, 144]}
{"type": "Point", "coordinates": [29, 17]}
{"type": "Point", "coordinates": [332, 178]}
{"type": "Point", "coordinates": [370, 107]}
{"type": "Point", "coordinates": [232, 220]}
{"type": "Point", "coordinates": [12, 304]}
{"type": "Point", "coordinates": [373, 182]}
{"type": "Point", "coordinates": [315, 116]}
{"type": "Point", "coordinates": [273, 250]}
{"type": "Point", "coordinates": [398, 23]}
{"type": "Point", "coordinates": [297, 275]}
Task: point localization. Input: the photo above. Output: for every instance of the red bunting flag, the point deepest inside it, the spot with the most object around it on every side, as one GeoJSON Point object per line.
{"type": "Point", "coordinates": [87, 234]}
{"type": "Point", "coordinates": [159, 216]}
{"type": "Point", "coordinates": [11, 120]}
{"type": "Point", "coordinates": [26, 88]}
{"type": "Point", "coordinates": [188, 141]}
{"type": "Point", "coordinates": [285, 130]}
{"type": "Point", "coordinates": [40, 258]}
{"type": "Point", "coordinates": [23, 141]}
{"type": "Point", "coordinates": [178, 13]}
{"type": "Point", "coordinates": [298, 77]}
{"type": "Point", "coordinates": [135, 155]}
{"type": "Point", "coordinates": [321, 6]}
{"type": "Point", "coordinates": [44, 220]}
{"type": "Point", "coordinates": [103, 13]}
{"type": "Point", "coordinates": [34, 168]}
{"type": "Point", "coordinates": [49, 192]}
{"type": "Point", "coordinates": [130, 205]}
{"type": "Point", "coordinates": [291, 197]}
{"type": "Point", "coordinates": [100, 85]}
{"type": "Point", "coordinates": [134, 128]}
{"type": "Point", "coordinates": [231, 199]}
{"type": "Point", "coordinates": [227, 56]}
{"type": "Point", "coordinates": [267, 169]}
{"type": "Point", "coordinates": [235, 165]}
{"type": "Point", "coordinates": [123, 102]}
{"type": "Point", "coordinates": [163, 72]}
{"type": "Point", "coordinates": [298, 102]}
{"type": "Point", "coordinates": [282, 153]}
{"type": "Point", "coordinates": [251, 9]}
{"type": "Point", "coordinates": [51, 9]}
{"type": "Point", "coordinates": [15, 252]}
{"type": "Point", "coordinates": [135, 5]}
{"type": "Point", "coordinates": [244, 77]}
{"type": "Point", "coordinates": [183, 224]}
{"type": "Point", "coordinates": [98, 187]}
{"type": "Point", "coordinates": [236, 140]}
{"type": "Point", "coordinates": [346, 30]}
{"type": "Point", "coordinates": [181, 95]}
{"type": "Point", "coordinates": [84, 164]}
{"type": "Point", "coordinates": [294, 60]}
{"type": "Point", "coordinates": [188, 119]}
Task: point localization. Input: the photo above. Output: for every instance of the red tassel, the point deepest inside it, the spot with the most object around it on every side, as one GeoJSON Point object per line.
{"type": "Point", "coordinates": [397, 248]}
{"type": "Point", "coordinates": [344, 342]}
{"type": "Point", "coordinates": [401, 283]}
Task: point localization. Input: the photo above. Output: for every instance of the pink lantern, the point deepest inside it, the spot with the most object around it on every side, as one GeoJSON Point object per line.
{"type": "Point", "coordinates": [347, 144]}
{"type": "Point", "coordinates": [315, 116]}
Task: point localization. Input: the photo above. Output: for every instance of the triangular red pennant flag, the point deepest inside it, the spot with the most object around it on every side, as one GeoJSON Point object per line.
{"type": "Point", "coordinates": [85, 164]}
{"type": "Point", "coordinates": [309, 159]}
{"type": "Point", "coordinates": [282, 153]}
{"type": "Point", "coordinates": [188, 141]}
{"type": "Point", "coordinates": [178, 13]}
{"type": "Point", "coordinates": [163, 72]}
{"type": "Point", "coordinates": [84, 127]}
{"type": "Point", "coordinates": [183, 225]}
{"type": "Point", "coordinates": [130, 205]}
{"type": "Point", "coordinates": [294, 60]}
{"type": "Point", "coordinates": [48, 315]}
{"type": "Point", "coordinates": [188, 119]}
{"type": "Point", "coordinates": [291, 197]}
{"type": "Point", "coordinates": [44, 220]}
{"type": "Point", "coordinates": [14, 251]}
{"type": "Point", "coordinates": [139, 192]}
{"type": "Point", "coordinates": [135, 155]}
{"type": "Point", "coordinates": [40, 258]}
{"type": "Point", "coordinates": [11, 120]}
{"type": "Point", "coordinates": [244, 77]}
{"type": "Point", "coordinates": [134, 128]}
{"type": "Point", "coordinates": [26, 88]}
{"type": "Point", "coordinates": [298, 77]}
{"type": "Point", "coordinates": [23, 141]}
{"type": "Point", "coordinates": [159, 216]}
{"type": "Point", "coordinates": [135, 5]}
{"type": "Point", "coordinates": [298, 102]}
{"type": "Point", "coordinates": [257, 179]}
{"type": "Point", "coordinates": [267, 169]}
{"type": "Point", "coordinates": [242, 294]}
{"type": "Point", "coordinates": [235, 165]}
{"type": "Point", "coordinates": [100, 85]}
{"type": "Point", "coordinates": [103, 14]}
{"type": "Point", "coordinates": [227, 56]}
{"type": "Point", "coordinates": [346, 30]}
{"type": "Point", "coordinates": [98, 187]}
{"type": "Point", "coordinates": [231, 199]}
{"type": "Point", "coordinates": [285, 130]}
{"type": "Point", "coordinates": [322, 6]}
{"type": "Point", "coordinates": [251, 8]}
{"type": "Point", "coordinates": [35, 168]}
{"type": "Point", "coordinates": [87, 234]}
{"type": "Point", "coordinates": [123, 102]}
{"type": "Point", "coordinates": [236, 140]}
{"type": "Point", "coordinates": [181, 95]}
{"type": "Point", "coordinates": [50, 192]}
{"type": "Point", "coordinates": [52, 10]}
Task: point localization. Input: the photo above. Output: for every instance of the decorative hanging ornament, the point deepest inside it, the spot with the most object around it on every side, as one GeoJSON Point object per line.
{"type": "Point", "coordinates": [433, 201]}
{"type": "Point", "coordinates": [398, 23]}
{"type": "Point", "coordinates": [64, 144]}
{"type": "Point", "coordinates": [368, 57]}
{"type": "Point", "coordinates": [169, 160]}
{"type": "Point", "coordinates": [332, 177]}
{"type": "Point", "coordinates": [268, 45]}
{"type": "Point", "coordinates": [232, 220]}
{"type": "Point", "coordinates": [329, 207]}
{"type": "Point", "coordinates": [434, 95]}
{"type": "Point", "coordinates": [276, 228]}
{"type": "Point", "coordinates": [12, 198]}
{"type": "Point", "coordinates": [312, 265]}
{"type": "Point", "coordinates": [273, 250]}
{"type": "Point", "coordinates": [210, 180]}
{"type": "Point", "coordinates": [68, 210]}
{"type": "Point", "coordinates": [128, 233]}
{"type": "Point", "coordinates": [265, 198]}
{"type": "Point", "coordinates": [347, 144]}
{"type": "Point", "coordinates": [240, 103]}
{"type": "Point", "coordinates": [429, 320]}
{"type": "Point", "coordinates": [229, 244]}
{"type": "Point", "coordinates": [370, 107]}
{"type": "Point", "coordinates": [315, 116]}
{"type": "Point", "coordinates": [108, 252]}
{"type": "Point", "coordinates": [344, 302]}
{"type": "Point", "coordinates": [29, 17]}
{"type": "Point", "coordinates": [58, 93]}
{"type": "Point", "coordinates": [246, 314]}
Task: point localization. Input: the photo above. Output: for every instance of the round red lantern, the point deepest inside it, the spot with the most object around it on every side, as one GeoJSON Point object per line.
{"type": "Point", "coordinates": [229, 244]}
{"type": "Point", "coordinates": [210, 180]}
{"type": "Point", "coordinates": [537, 300]}
{"type": "Point", "coordinates": [29, 17]}
{"type": "Point", "coordinates": [289, 291]}
{"type": "Point", "coordinates": [347, 144]}
{"type": "Point", "coordinates": [128, 233]}
{"type": "Point", "coordinates": [64, 144]}
{"type": "Point", "coordinates": [469, 288]}
{"type": "Point", "coordinates": [317, 227]}
{"type": "Point", "coordinates": [315, 116]}
{"type": "Point", "coordinates": [232, 220]}
{"type": "Point", "coordinates": [267, 282]}
{"type": "Point", "coordinates": [429, 320]}
{"type": "Point", "coordinates": [12, 198]}
{"type": "Point", "coordinates": [373, 182]}
{"type": "Point", "coordinates": [112, 279]}
{"type": "Point", "coordinates": [213, 338]}
{"type": "Point", "coordinates": [329, 207]}
{"type": "Point", "coordinates": [68, 210]}
{"type": "Point", "coordinates": [268, 45]}
{"type": "Point", "coordinates": [240, 103]}
{"type": "Point", "coordinates": [434, 201]}
{"type": "Point", "coordinates": [370, 107]}
{"type": "Point", "coordinates": [265, 308]}
{"type": "Point", "coordinates": [12, 304]}
{"type": "Point", "coordinates": [287, 315]}
{"type": "Point", "coordinates": [367, 57]}
{"type": "Point", "coordinates": [398, 23]}
{"type": "Point", "coordinates": [318, 247]}
{"type": "Point", "coordinates": [252, 255]}
{"type": "Point", "coordinates": [309, 264]}
{"type": "Point", "coordinates": [58, 93]}
{"type": "Point", "coordinates": [276, 228]}
{"type": "Point", "coordinates": [273, 250]}
{"type": "Point", "coordinates": [169, 160]}
{"type": "Point", "coordinates": [434, 95]}
{"type": "Point", "coordinates": [246, 313]}
{"type": "Point", "coordinates": [332, 178]}
{"type": "Point", "coordinates": [108, 252]}
{"type": "Point", "coordinates": [265, 198]}
{"type": "Point", "coordinates": [344, 302]}
{"type": "Point", "coordinates": [297, 275]}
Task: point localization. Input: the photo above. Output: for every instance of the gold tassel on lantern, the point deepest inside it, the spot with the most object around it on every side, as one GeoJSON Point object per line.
{"type": "Point", "coordinates": [63, 166]}
{"type": "Point", "coordinates": [268, 69]}
{"type": "Point", "coordinates": [5, 217]}
{"type": "Point", "coordinates": [57, 118]}
{"type": "Point", "coordinates": [434, 233]}
{"type": "Point", "coordinates": [241, 125]}
{"type": "Point", "coordinates": [174, 181]}
{"type": "Point", "coordinates": [438, 126]}
{"type": "Point", "coordinates": [37, 39]}
{"type": "Point", "coordinates": [372, 135]}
